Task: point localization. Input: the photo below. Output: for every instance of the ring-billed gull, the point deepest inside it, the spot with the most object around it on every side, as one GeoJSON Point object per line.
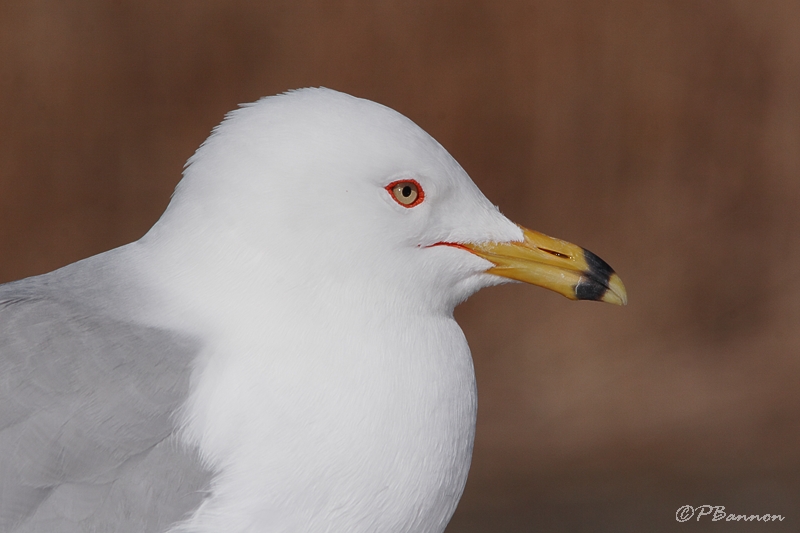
{"type": "Point", "coordinates": [278, 353]}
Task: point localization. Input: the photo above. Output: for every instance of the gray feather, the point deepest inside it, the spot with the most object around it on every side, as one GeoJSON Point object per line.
{"type": "Point", "coordinates": [87, 412]}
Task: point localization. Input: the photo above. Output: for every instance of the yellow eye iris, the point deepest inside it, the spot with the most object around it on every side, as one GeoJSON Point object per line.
{"type": "Point", "coordinates": [407, 193]}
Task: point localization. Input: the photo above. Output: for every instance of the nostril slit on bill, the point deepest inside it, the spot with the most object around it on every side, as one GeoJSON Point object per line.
{"type": "Point", "coordinates": [557, 254]}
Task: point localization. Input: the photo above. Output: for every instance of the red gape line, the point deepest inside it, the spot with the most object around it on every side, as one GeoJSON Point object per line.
{"type": "Point", "coordinates": [420, 192]}
{"type": "Point", "coordinates": [452, 244]}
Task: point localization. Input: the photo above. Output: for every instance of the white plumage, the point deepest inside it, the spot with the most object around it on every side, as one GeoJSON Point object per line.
{"type": "Point", "coordinates": [316, 380]}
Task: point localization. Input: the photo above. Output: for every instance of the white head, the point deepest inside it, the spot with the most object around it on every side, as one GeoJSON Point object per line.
{"type": "Point", "coordinates": [295, 187]}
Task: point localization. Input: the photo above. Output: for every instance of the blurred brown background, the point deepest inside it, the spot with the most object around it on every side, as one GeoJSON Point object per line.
{"type": "Point", "coordinates": [665, 136]}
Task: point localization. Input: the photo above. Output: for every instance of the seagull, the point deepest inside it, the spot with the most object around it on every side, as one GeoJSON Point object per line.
{"type": "Point", "coordinates": [278, 353]}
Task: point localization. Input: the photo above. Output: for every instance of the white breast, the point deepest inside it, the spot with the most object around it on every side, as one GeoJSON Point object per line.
{"type": "Point", "coordinates": [363, 424]}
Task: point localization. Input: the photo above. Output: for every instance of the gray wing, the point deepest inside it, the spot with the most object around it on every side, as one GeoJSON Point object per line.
{"type": "Point", "coordinates": [87, 428]}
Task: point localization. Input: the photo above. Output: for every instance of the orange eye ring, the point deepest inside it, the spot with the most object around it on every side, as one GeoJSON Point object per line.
{"type": "Point", "coordinates": [407, 193]}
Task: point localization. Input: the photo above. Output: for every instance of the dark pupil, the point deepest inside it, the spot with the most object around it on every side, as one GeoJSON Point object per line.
{"type": "Point", "coordinates": [406, 191]}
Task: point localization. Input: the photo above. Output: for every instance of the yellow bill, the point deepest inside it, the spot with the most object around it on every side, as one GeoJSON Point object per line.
{"type": "Point", "coordinates": [553, 264]}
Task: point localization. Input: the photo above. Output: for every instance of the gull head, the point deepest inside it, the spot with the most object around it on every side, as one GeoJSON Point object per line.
{"type": "Point", "coordinates": [318, 188]}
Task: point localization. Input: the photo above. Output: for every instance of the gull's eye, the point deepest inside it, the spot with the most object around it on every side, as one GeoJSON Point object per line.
{"type": "Point", "coordinates": [407, 193]}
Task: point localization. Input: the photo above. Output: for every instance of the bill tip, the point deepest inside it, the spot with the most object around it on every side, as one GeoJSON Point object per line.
{"type": "Point", "coordinates": [616, 293]}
